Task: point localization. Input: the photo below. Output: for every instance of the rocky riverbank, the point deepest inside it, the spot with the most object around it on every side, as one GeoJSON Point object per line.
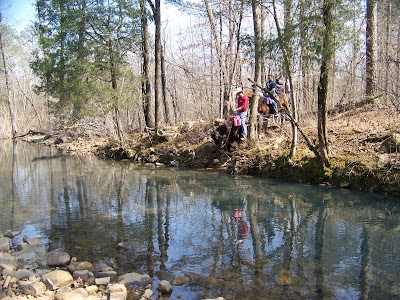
{"type": "Point", "coordinates": [29, 271]}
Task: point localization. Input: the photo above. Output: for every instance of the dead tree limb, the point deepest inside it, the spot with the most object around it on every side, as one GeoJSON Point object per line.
{"type": "Point", "coordinates": [310, 145]}
{"type": "Point", "coordinates": [271, 95]}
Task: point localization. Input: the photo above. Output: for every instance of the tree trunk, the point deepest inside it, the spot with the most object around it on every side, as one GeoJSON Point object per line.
{"type": "Point", "coordinates": [326, 63]}
{"type": "Point", "coordinates": [398, 67]}
{"type": "Point", "coordinates": [221, 61]}
{"type": "Point", "coordinates": [148, 100]}
{"type": "Point", "coordinates": [113, 75]}
{"type": "Point", "coordinates": [167, 107]}
{"type": "Point", "coordinates": [257, 71]}
{"type": "Point", "coordinates": [387, 44]}
{"type": "Point", "coordinates": [80, 58]}
{"type": "Point", "coordinates": [287, 55]}
{"type": "Point", "coordinates": [61, 67]}
{"type": "Point", "coordinates": [14, 132]}
{"type": "Point", "coordinates": [156, 8]}
{"type": "Point", "coordinates": [263, 69]}
{"type": "Point", "coordinates": [158, 67]}
{"type": "Point", "coordinates": [371, 48]}
{"type": "Point", "coordinates": [303, 65]}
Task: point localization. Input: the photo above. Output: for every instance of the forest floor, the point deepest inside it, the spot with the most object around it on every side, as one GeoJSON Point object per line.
{"type": "Point", "coordinates": [364, 149]}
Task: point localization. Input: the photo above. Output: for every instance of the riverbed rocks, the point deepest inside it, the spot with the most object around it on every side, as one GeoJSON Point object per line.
{"type": "Point", "coordinates": [4, 246]}
{"type": "Point", "coordinates": [28, 271]}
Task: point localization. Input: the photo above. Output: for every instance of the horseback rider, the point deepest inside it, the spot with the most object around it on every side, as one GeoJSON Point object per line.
{"type": "Point", "coordinates": [271, 85]}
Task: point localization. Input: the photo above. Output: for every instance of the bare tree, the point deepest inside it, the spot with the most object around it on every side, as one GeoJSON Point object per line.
{"type": "Point", "coordinates": [12, 116]}
{"type": "Point", "coordinates": [257, 70]}
{"type": "Point", "coordinates": [286, 49]}
{"type": "Point", "coordinates": [156, 9]}
{"type": "Point", "coordinates": [227, 60]}
{"type": "Point", "coordinates": [370, 40]}
{"type": "Point", "coordinates": [326, 65]}
{"type": "Point", "coordinates": [148, 100]}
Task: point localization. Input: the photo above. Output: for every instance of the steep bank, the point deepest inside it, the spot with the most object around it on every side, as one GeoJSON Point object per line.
{"type": "Point", "coordinates": [363, 141]}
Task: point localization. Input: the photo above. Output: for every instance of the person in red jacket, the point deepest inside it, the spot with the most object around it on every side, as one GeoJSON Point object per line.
{"type": "Point", "coordinates": [242, 108]}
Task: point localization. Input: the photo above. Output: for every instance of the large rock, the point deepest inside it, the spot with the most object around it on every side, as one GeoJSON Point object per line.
{"type": "Point", "coordinates": [180, 280]}
{"type": "Point", "coordinates": [34, 288]}
{"type": "Point", "coordinates": [102, 280]}
{"type": "Point", "coordinates": [33, 242]}
{"type": "Point", "coordinates": [117, 291]}
{"type": "Point", "coordinates": [75, 265]}
{"type": "Point", "coordinates": [4, 244]}
{"type": "Point", "coordinates": [33, 254]}
{"type": "Point", "coordinates": [134, 278]}
{"type": "Point", "coordinates": [8, 261]}
{"type": "Point", "coordinates": [23, 273]}
{"type": "Point", "coordinates": [165, 287]}
{"type": "Point", "coordinates": [59, 278]}
{"type": "Point", "coordinates": [85, 275]}
{"type": "Point", "coordinates": [27, 256]}
{"type": "Point", "coordinates": [57, 258]}
{"type": "Point", "coordinates": [77, 294]}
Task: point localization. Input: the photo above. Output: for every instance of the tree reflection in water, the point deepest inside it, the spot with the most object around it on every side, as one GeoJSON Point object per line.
{"type": "Point", "coordinates": [237, 237]}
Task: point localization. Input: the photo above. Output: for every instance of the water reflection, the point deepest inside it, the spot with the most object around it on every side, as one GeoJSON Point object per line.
{"type": "Point", "coordinates": [237, 237]}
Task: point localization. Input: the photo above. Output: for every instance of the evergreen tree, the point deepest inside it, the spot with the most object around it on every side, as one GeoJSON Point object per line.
{"type": "Point", "coordinates": [83, 47]}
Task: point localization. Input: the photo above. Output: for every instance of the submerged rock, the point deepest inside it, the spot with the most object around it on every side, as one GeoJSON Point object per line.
{"type": "Point", "coordinates": [165, 287]}
{"type": "Point", "coordinates": [57, 258]}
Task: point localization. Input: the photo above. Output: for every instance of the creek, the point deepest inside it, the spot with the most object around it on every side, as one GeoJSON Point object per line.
{"type": "Point", "coordinates": [234, 236]}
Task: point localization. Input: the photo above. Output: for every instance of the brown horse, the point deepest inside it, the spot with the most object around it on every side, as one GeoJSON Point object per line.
{"type": "Point", "coordinates": [265, 110]}
{"type": "Point", "coordinates": [225, 135]}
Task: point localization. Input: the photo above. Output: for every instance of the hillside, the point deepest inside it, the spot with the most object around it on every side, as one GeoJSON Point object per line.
{"type": "Point", "coordinates": [358, 143]}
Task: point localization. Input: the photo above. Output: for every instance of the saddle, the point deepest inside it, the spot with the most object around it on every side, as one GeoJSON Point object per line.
{"type": "Point", "coordinates": [268, 101]}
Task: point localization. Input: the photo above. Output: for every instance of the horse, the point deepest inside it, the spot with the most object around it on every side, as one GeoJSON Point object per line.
{"type": "Point", "coordinates": [233, 136]}
{"type": "Point", "coordinates": [224, 136]}
{"type": "Point", "coordinates": [219, 135]}
{"type": "Point", "coordinates": [265, 109]}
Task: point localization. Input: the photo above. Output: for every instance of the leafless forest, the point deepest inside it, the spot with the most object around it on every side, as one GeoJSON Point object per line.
{"type": "Point", "coordinates": [155, 64]}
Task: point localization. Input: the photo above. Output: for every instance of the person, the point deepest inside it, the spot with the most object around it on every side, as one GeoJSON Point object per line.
{"type": "Point", "coordinates": [243, 107]}
{"type": "Point", "coordinates": [271, 86]}
{"type": "Point", "coordinates": [271, 83]}
{"type": "Point", "coordinates": [241, 222]}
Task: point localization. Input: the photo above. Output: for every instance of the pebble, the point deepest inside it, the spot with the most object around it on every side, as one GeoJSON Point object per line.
{"type": "Point", "coordinates": [30, 272]}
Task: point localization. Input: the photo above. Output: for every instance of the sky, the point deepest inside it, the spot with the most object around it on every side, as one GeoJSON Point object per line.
{"type": "Point", "coordinates": [18, 14]}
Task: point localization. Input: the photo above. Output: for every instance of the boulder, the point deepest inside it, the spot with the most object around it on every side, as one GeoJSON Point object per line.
{"type": "Point", "coordinates": [134, 278]}
{"type": "Point", "coordinates": [58, 258]}
{"type": "Point", "coordinates": [4, 244]}
{"type": "Point", "coordinates": [77, 294]}
{"type": "Point", "coordinates": [59, 278]}
{"type": "Point", "coordinates": [23, 273]}
{"type": "Point", "coordinates": [391, 144]}
{"type": "Point", "coordinates": [117, 291]}
{"type": "Point", "coordinates": [165, 287]}
{"type": "Point", "coordinates": [34, 288]}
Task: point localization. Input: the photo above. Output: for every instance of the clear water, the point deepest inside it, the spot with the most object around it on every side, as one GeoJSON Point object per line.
{"type": "Point", "coordinates": [236, 237]}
